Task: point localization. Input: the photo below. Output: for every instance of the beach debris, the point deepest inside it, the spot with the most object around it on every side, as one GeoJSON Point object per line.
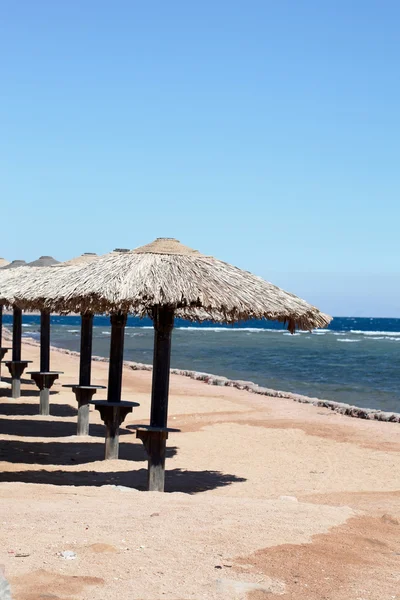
{"type": "Point", "coordinates": [68, 555]}
{"type": "Point", "coordinates": [21, 555]}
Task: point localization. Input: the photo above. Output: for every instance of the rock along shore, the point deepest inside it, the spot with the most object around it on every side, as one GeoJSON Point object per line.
{"type": "Point", "coordinates": [249, 386]}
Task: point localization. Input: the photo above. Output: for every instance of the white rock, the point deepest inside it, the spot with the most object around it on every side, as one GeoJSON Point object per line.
{"type": "Point", "coordinates": [68, 555]}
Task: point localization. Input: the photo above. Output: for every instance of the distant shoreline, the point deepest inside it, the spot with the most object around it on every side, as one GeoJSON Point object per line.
{"type": "Point", "coordinates": [249, 386]}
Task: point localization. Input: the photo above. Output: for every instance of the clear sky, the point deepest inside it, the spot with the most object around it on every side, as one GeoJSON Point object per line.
{"type": "Point", "coordinates": [265, 133]}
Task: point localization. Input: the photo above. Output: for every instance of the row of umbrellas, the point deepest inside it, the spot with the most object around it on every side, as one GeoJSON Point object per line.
{"type": "Point", "coordinates": [162, 280]}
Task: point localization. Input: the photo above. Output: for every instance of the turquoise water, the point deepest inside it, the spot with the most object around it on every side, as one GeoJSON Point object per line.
{"type": "Point", "coordinates": [355, 360]}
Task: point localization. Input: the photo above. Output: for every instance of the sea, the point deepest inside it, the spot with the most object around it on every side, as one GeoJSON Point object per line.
{"type": "Point", "coordinates": [354, 360]}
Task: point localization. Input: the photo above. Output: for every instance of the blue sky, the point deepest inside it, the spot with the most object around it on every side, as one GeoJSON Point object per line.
{"type": "Point", "coordinates": [264, 133]}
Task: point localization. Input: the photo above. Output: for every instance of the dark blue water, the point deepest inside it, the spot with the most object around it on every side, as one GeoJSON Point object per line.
{"type": "Point", "coordinates": [354, 360]}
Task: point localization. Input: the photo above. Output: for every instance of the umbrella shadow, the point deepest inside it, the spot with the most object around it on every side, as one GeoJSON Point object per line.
{"type": "Point", "coordinates": [176, 480]}
{"type": "Point", "coordinates": [13, 409]}
{"type": "Point", "coordinates": [67, 453]}
{"type": "Point", "coordinates": [38, 428]}
{"type": "Point", "coordinates": [34, 392]}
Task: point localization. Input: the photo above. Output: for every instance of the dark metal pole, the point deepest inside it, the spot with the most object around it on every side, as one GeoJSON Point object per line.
{"type": "Point", "coordinates": [85, 364]}
{"type": "Point", "coordinates": [44, 341]}
{"type": "Point", "coordinates": [17, 334]}
{"type": "Point", "coordinates": [118, 322]}
{"type": "Point", "coordinates": [163, 318]}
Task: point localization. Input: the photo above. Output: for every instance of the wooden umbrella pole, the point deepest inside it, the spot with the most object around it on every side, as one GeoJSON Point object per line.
{"type": "Point", "coordinates": [112, 417]}
{"type": "Point", "coordinates": [155, 440]}
{"type": "Point", "coordinates": [44, 408]}
{"type": "Point", "coordinates": [44, 341]}
{"type": "Point", "coordinates": [118, 322]}
{"type": "Point", "coordinates": [163, 318]}
{"type": "Point", "coordinates": [17, 334]}
{"type": "Point", "coordinates": [85, 364]}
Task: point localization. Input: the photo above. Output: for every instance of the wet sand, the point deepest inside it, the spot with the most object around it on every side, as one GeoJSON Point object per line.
{"type": "Point", "coordinates": [265, 497]}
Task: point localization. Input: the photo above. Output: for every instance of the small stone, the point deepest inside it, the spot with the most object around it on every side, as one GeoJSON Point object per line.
{"type": "Point", "coordinates": [68, 555]}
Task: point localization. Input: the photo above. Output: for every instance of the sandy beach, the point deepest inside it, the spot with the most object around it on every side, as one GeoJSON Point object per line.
{"type": "Point", "coordinates": [265, 497]}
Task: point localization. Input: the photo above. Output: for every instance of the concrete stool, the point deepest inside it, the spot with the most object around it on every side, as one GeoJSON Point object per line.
{"type": "Point", "coordinates": [44, 380]}
{"type": "Point", "coordinates": [83, 395]}
{"type": "Point", "coordinates": [16, 368]}
{"type": "Point", "coordinates": [155, 442]}
{"type": "Point", "coordinates": [113, 414]}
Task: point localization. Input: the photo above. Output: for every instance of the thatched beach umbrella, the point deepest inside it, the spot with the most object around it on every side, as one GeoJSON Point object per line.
{"type": "Point", "coordinates": [16, 366]}
{"type": "Point", "coordinates": [44, 378]}
{"type": "Point", "coordinates": [83, 390]}
{"type": "Point", "coordinates": [43, 271]}
{"type": "Point", "coordinates": [162, 280]}
{"type": "Point", "coordinates": [39, 287]}
{"type": "Point", "coordinates": [3, 350]}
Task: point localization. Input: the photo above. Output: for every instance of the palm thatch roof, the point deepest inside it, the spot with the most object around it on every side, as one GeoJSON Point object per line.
{"type": "Point", "coordinates": [44, 261]}
{"type": "Point", "coordinates": [165, 273]}
{"type": "Point", "coordinates": [3, 262]}
{"type": "Point", "coordinates": [14, 280]}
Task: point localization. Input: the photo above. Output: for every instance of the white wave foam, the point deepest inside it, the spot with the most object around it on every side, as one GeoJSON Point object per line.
{"type": "Point", "coordinates": [371, 333]}
{"type": "Point", "coordinates": [106, 332]}
{"type": "Point", "coordinates": [235, 329]}
{"type": "Point", "coordinates": [73, 330]}
{"type": "Point", "coordinates": [348, 340]}
{"type": "Point", "coordinates": [27, 325]}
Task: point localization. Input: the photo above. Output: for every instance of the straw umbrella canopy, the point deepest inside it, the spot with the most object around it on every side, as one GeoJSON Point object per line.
{"type": "Point", "coordinates": [167, 273]}
{"type": "Point", "coordinates": [3, 262]}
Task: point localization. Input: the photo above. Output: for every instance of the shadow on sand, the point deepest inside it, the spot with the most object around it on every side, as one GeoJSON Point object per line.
{"type": "Point", "coordinates": [67, 453]}
{"type": "Point", "coordinates": [14, 409]}
{"type": "Point", "coordinates": [176, 480]}
{"type": "Point", "coordinates": [37, 428]}
{"type": "Point", "coordinates": [34, 392]}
